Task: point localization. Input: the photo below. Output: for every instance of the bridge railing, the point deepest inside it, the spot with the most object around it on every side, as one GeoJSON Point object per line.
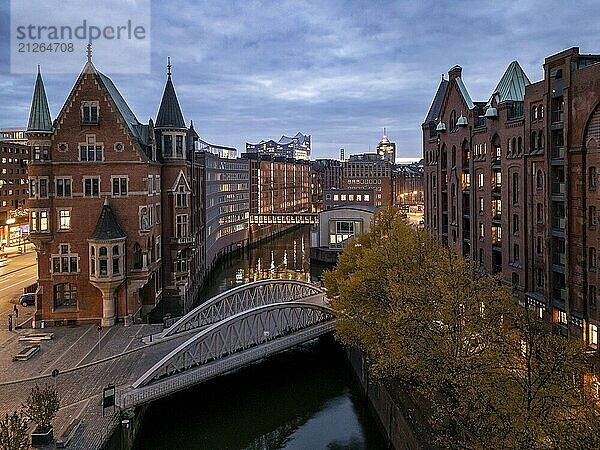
{"type": "Point", "coordinates": [168, 386]}
{"type": "Point", "coordinates": [237, 333]}
{"type": "Point", "coordinates": [238, 299]}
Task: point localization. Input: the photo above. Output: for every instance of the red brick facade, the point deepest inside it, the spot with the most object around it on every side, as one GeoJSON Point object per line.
{"type": "Point", "coordinates": [512, 183]}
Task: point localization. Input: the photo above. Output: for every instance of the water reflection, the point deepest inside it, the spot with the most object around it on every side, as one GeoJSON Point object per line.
{"type": "Point", "coordinates": [269, 259]}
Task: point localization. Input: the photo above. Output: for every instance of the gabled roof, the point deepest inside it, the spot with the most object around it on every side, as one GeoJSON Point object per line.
{"type": "Point", "coordinates": [138, 131]}
{"type": "Point", "coordinates": [169, 113]}
{"type": "Point", "coordinates": [511, 86]}
{"type": "Point", "coordinates": [436, 105]}
{"type": "Point", "coordinates": [107, 227]}
{"type": "Point", "coordinates": [39, 115]}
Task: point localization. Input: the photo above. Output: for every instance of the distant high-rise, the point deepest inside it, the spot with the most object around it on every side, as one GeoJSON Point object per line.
{"type": "Point", "coordinates": [387, 149]}
{"type": "Point", "coordinates": [342, 154]}
{"type": "Point", "coordinates": [297, 147]}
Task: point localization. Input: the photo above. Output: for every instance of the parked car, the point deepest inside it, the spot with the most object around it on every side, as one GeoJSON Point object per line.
{"type": "Point", "coordinates": [27, 299]}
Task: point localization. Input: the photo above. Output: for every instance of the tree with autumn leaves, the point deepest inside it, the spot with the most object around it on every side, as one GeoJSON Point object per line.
{"type": "Point", "coordinates": [429, 319]}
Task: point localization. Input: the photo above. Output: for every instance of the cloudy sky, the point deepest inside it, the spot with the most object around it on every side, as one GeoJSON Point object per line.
{"type": "Point", "coordinates": [338, 70]}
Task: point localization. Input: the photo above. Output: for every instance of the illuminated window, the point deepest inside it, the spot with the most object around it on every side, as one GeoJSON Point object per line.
{"type": "Point", "coordinates": [64, 216]}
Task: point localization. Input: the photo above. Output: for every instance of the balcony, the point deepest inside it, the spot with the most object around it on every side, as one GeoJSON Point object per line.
{"type": "Point", "coordinates": [184, 240]}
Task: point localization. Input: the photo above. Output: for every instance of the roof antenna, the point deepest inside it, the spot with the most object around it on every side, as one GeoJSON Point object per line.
{"type": "Point", "coordinates": [168, 65]}
{"type": "Point", "coordinates": [88, 52]}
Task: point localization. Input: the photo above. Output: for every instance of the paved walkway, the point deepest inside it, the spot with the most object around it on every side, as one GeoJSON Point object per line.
{"type": "Point", "coordinates": [84, 371]}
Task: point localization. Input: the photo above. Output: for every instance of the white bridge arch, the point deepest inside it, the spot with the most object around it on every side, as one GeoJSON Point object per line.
{"type": "Point", "coordinates": [229, 344]}
{"type": "Point", "coordinates": [242, 298]}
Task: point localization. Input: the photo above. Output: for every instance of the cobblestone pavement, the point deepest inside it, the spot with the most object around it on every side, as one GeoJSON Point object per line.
{"type": "Point", "coordinates": [84, 369]}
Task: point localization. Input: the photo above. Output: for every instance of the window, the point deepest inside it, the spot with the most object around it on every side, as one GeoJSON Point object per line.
{"type": "Point", "coordinates": [539, 180]}
{"type": "Point", "coordinates": [515, 280]}
{"type": "Point", "coordinates": [540, 213]}
{"type": "Point", "coordinates": [179, 145]}
{"type": "Point", "coordinates": [533, 141]}
{"type": "Point", "coordinates": [541, 112]}
{"type": "Point", "coordinates": [181, 226]}
{"type": "Point", "coordinates": [91, 187]}
{"type": "Point", "coordinates": [119, 186]}
{"type": "Point", "coordinates": [534, 114]}
{"type": "Point", "coordinates": [539, 245]}
{"type": "Point", "coordinates": [539, 278]}
{"type": "Point", "coordinates": [65, 262]}
{"type": "Point", "coordinates": [481, 205]}
{"type": "Point", "coordinates": [39, 220]}
{"type": "Point", "coordinates": [481, 230]}
{"type": "Point", "coordinates": [340, 231]}
{"type": "Point", "coordinates": [593, 335]}
{"type": "Point", "coordinates": [138, 259]}
{"type": "Point", "coordinates": [181, 197]}
{"type": "Point", "coordinates": [515, 189]}
{"type": "Point", "coordinates": [593, 261]}
{"type": "Point", "coordinates": [89, 112]}
{"type": "Point", "coordinates": [116, 261]}
{"type": "Point", "coordinates": [64, 219]}
{"type": "Point", "coordinates": [592, 217]}
{"type": "Point", "coordinates": [592, 178]}
{"type": "Point", "coordinates": [43, 187]}
{"type": "Point", "coordinates": [167, 145]}
{"type": "Point", "coordinates": [516, 254]}
{"type": "Point", "coordinates": [480, 180]}
{"type": "Point", "coordinates": [65, 296]}
{"type": "Point", "coordinates": [144, 219]}
{"type": "Point", "coordinates": [481, 256]}
{"type": "Point", "coordinates": [592, 299]}
{"type": "Point", "coordinates": [158, 249]}
{"type": "Point", "coordinates": [63, 187]}
{"type": "Point", "coordinates": [102, 262]}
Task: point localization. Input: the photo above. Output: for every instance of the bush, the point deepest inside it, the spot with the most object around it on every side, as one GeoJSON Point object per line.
{"type": "Point", "coordinates": [41, 406]}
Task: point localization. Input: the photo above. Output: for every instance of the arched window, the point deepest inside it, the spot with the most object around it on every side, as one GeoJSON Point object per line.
{"type": "Point", "coordinates": [533, 142]}
{"type": "Point", "coordinates": [539, 179]}
{"type": "Point", "coordinates": [519, 145]}
{"type": "Point", "coordinates": [593, 178]}
{"type": "Point", "coordinates": [149, 247]}
{"type": "Point", "coordinates": [508, 147]}
{"type": "Point", "coordinates": [65, 296]}
{"type": "Point", "coordinates": [541, 112]}
{"type": "Point", "coordinates": [116, 260]}
{"type": "Point", "coordinates": [514, 145]}
{"type": "Point", "coordinates": [540, 141]}
{"type": "Point", "coordinates": [137, 256]}
{"type": "Point", "coordinates": [534, 114]}
{"type": "Point", "coordinates": [515, 188]}
{"type": "Point", "coordinates": [93, 261]}
{"type": "Point", "coordinates": [453, 121]}
{"type": "Point", "coordinates": [103, 261]}
{"type": "Point", "coordinates": [453, 156]}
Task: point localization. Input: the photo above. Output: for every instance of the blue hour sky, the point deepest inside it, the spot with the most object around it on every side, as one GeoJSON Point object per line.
{"type": "Point", "coordinates": [338, 70]}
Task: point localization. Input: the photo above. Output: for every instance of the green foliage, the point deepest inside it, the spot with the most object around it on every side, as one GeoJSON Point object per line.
{"type": "Point", "coordinates": [427, 318]}
{"type": "Point", "coordinates": [13, 432]}
{"type": "Point", "coordinates": [41, 406]}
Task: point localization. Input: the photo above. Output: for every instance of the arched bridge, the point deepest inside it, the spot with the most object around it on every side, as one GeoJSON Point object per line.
{"type": "Point", "coordinates": [242, 298]}
{"type": "Point", "coordinates": [231, 330]}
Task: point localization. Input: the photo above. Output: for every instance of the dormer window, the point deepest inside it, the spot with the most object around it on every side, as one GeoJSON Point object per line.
{"type": "Point", "coordinates": [89, 112]}
{"type": "Point", "coordinates": [181, 197]}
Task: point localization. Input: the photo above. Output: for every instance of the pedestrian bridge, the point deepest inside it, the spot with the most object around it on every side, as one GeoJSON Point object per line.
{"type": "Point", "coordinates": [231, 330]}
{"type": "Point", "coordinates": [284, 218]}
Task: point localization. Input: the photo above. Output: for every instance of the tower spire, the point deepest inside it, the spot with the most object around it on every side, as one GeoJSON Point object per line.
{"type": "Point", "coordinates": [88, 52]}
{"type": "Point", "coordinates": [168, 65]}
{"type": "Point", "coordinates": [39, 115]}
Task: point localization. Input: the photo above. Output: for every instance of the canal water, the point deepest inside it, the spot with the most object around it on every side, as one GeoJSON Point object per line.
{"type": "Point", "coordinates": [304, 398]}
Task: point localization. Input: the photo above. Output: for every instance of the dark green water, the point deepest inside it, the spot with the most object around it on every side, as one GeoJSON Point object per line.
{"type": "Point", "coordinates": [304, 398]}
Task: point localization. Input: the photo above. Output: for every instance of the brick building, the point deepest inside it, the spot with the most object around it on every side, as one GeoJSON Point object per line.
{"type": "Point", "coordinates": [408, 183]}
{"type": "Point", "coordinates": [117, 206]}
{"type": "Point", "coordinates": [14, 215]}
{"type": "Point", "coordinates": [334, 198]}
{"type": "Point", "coordinates": [512, 183]}
{"type": "Point", "coordinates": [325, 174]}
{"type": "Point", "coordinates": [370, 171]}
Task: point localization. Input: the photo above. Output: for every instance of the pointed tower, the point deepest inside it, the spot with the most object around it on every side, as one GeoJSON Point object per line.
{"type": "Point", "coordinates": [170, 126]}
{"type": "Point", "coordinates": [39, 127]}
{"type": "Point", "coordinates": [39, 138]}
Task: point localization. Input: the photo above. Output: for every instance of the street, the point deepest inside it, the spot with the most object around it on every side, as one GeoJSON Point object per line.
{"type": "Point", "coordinates": [18, 272]}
